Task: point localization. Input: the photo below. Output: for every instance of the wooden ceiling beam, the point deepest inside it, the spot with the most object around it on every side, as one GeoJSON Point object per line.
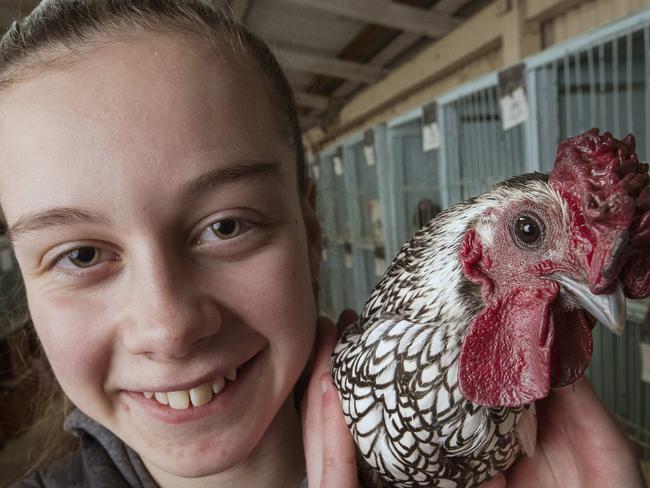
{"type": "Point", "coordinates": [309, 121]}
{"type": "Point", "coordinates": [337, 68]}
{"type": "Point", "coordinates": [396, 47]}
{"type": "Point", "coordinates": [450, 6]}
{"type": "Point", "coordinates": [309, 100]}
{"type": "Point", "coordinates": [431, 23]}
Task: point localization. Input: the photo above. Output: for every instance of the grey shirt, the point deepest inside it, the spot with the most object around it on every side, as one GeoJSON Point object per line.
{"type": "Point", "coordinates": [102, 461]}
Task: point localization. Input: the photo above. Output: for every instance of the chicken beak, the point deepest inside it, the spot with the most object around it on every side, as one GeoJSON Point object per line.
{"type": "Point", "coordinates": [607, 308]}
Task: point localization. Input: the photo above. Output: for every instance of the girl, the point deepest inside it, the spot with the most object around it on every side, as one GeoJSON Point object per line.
{"type": "Point", "coordinates": [153, 187]}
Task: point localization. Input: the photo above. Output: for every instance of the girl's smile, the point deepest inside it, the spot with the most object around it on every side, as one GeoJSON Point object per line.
{"type": "Point", "coordinates": [178, 404]}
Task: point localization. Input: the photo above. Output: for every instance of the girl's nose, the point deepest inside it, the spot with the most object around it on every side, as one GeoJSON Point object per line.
{"type": "Point", "coordinates": [167, 315]}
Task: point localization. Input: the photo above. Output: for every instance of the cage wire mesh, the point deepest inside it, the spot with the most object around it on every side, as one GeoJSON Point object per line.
{"type": "Point", "coordinates": [479, 152]}
{"type": "Point", "coordinates": [363, 204]}
{"type": "Point", "coordinates": [601, 79]}
{"type": "Point", "coordinates": [416, 176]}
{"type": "Point", "coordinates": [601, 85]}
{"type": "Point", "coordinates": [603, 82]}
{"type": "Point", "coordinates": [350, 214]}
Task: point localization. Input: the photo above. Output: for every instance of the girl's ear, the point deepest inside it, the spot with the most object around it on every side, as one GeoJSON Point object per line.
{"type": "Point", "coordinates": [312, 226]}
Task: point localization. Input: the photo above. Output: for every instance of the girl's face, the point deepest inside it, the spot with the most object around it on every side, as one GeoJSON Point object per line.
{"type": "Point", "coordinates": [157, 223]}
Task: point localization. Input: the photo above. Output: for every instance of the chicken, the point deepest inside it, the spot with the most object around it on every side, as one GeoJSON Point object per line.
{"type": "Point", "coordinates": [487, 308]}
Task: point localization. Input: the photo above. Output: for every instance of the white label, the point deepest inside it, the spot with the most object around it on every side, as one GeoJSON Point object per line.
{"type": "Point", "coordinates": [645, 361]}
{"type": "Point", "coordinates": [514, 109]}
{"type": "Point", "coordinates": [375, 217]}
{"type": "Point", "coordinates": [316, 171]}
{"type": "Point", "coordinates": [347, 259]}
{"type": "Point", "coordinates": [338, 166]}
{"type": "Point", "coordinates": [323, 255]}
{"type": "Point", "coordinates": [369, 152]}
{"type": "Point", "coordinates": [380, 266]}
{"type": "Point", "coordinates": [430, 137]}
{"type": "Point", "coordinates": [6, 263]}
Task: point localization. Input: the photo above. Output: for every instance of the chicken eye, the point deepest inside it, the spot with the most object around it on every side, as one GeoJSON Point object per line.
{"type": "Point", "coordinates": [528, 230]}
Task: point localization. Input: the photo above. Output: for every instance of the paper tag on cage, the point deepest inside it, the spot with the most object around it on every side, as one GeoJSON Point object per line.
{"type": "Point", "coordinates": [347, 255]}
{"type": "Point", "coordinates": [338, 166]}
{"type": "Point", "coordinates": [369, 153]}
{"type": "Point", "coordinates": [430, 137]}
{"type": "Point", "coordinates": [375, 218]}
{"type": "Point", "coordinates": [512, 96]}
{"type": "Point", "coordinates": [514, 109]}
{"type": "Point", "coordinates": [380, 261]}
{"type": "Point", "coordinates": [323, 254]}
{"type": "Point", "coordinates": [315, 171]}
{"type": "Point", "coordinates": [645, 361]}
{"type": "Point", "coordinates": [430, 129]}
{"type": "Point", "coordinates": [369, 147]}
{"type": "Point", "coordinates": [338, 161]}
{"type": "Point", "coordinates": [6, 260]}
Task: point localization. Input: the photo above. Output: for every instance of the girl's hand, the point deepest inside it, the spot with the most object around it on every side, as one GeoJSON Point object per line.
{"type": "Point", "coordinates": [329, 448]}
{"type": "Point", "coordinates": [579, 445]}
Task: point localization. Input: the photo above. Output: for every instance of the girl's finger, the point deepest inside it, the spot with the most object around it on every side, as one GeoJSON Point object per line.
{"type": "Point", "coordinates": [311, 407]}
{"type": "Point", "coordinates": [339, 466]}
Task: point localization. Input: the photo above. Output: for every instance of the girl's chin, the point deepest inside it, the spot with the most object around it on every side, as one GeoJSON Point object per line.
{"type": "Point", "coordinates": [200, 459]}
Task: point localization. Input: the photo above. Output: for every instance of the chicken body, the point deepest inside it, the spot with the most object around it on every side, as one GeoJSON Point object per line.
{"type": "Point", "coordinates": [488, 308]}
{"type": "Point", "coordinates": [397, 368]}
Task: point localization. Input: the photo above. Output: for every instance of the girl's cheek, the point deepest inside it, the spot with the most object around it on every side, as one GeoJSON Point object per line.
{"type": "Point", "coordinates": [77, 342]}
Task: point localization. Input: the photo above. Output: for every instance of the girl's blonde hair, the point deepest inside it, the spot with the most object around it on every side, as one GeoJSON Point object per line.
{"type": "Point", "coordinates": [55, 34]}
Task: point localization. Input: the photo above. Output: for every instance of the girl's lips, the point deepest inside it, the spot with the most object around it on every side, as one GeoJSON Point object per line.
{"type": "Point", "coordinates": [219, 402]}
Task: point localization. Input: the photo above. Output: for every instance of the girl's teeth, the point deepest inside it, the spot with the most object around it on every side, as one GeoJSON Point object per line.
{"type": "Point", "coordinates": [162, 398]}
{"type": "Point", "coordinates": [178, 400]}
{"type": "Point", "coordinates": [201, 395]}
{"type": "Point", "coordinates": [218, 385]}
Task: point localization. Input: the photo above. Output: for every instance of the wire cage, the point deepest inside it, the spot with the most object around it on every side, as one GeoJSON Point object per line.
{"type": "Point", "coordinates": [417, 192]}
{"type": "Point", "coordinates": [351, 217]}
{"type": "Point", "coordinates": [596, 80]}
{"type": "Point", "coordinates": [600, 79]}
{"type": "Point", "coordinates": [478, 152]}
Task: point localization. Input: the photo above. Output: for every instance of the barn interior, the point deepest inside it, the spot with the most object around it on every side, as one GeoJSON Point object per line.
{"type": "Point", "coordinates": [408, 107]}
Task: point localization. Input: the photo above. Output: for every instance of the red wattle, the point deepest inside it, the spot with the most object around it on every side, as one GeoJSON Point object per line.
{"type": "Point", "coordinates": [572, 347]}
{"type": "Point", "coordinates": [505, 360]}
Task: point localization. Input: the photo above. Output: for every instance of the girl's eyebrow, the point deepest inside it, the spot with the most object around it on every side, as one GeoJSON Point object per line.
{"type": "Point", "coordinates": [51, 217]}
{"type": "Point", "coordinates": [68, 215]}
{"type": "Point", "coordinates": [246, 170]}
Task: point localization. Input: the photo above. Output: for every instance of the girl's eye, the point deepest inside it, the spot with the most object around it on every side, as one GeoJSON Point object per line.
{"type": "Point", "coordinates": [84, 257]}
{"type": "Point", "coordinates": [226, 229]}
{"type": "Point", "coordinates": [223, 230]}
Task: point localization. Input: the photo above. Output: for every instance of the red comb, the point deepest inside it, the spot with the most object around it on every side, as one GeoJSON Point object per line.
{"type": "Point", "coordinates": [609, 198]}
